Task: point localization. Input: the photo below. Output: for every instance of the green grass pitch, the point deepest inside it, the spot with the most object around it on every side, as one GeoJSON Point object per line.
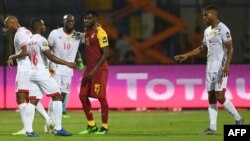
{"type": "Point", "coordinates": [150, 125]}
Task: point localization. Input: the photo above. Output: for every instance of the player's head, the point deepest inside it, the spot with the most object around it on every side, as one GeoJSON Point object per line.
{"type": "Point", "coordinates": [68, 22]}
{"type": "Point", "coordinates": [11, 23]}
{"type": "Point", "coordinates": [210, 14]}
{"type": "Point", "coordinates": [90, 19]}
{"type": "Point", "coordinates": [37, 25]}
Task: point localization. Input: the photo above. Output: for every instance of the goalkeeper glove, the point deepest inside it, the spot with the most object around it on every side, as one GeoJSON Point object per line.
{"type": "Point", "coordinates": [80, 65]}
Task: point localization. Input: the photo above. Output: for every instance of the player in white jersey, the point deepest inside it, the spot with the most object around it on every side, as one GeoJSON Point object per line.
{"type": "Point", "coordinates": [218, 42]}
{"type": "Point", "coordinates": [39, 51]}
{"type": "Point", "coordinates": [65, 42]}
{"type": "Point", "coordinates": [22, 35]}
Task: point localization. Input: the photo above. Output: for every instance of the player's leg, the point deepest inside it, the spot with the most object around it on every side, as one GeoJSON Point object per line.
{"type": "Point", "coordinates": [22, 96]}
{"type": "Point", "coordinates": [41, 110]}
{"type": "Point", "coordinates": [49, 123]}
{"type": "Point", "coordinates": [57, 111]}
{"type": "Point", "coordinates": [50, 111]}
{"type": "Point", "coordinates": [22, 104]}
{"type": "Point", "coordinates": [30, 110]}
{"type": "Point", "coordinates": [101, 77]}
{"type": "Point", "coordinates": [220, 89]}
{"type": "Point", "coordinates": [64, 101]}
{"type": "Point", "coordinates": [30, 113]}
{"type": "Point", "coordinates": [49, 126]}
{"type": "Point", "coordinates": [64, 83]}
{"type": "Point", "coordinates": [91, 127]}
{"type": "Point", "coordinates": [86, 105]}
{"type": "Point", "coordinates": [51, 88]}
{"type": "Point", "coordinates": [58, 80]}
{"type": "Point", "coordinates": [65, 89]}
{"type": "Point", "coordinates": [104, 115]}
{"type": "Point", "coordinates": [212, 108]}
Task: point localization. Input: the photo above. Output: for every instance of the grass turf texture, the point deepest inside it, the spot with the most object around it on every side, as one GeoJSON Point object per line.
{"type": "Point", "coordinates": [153, 125]}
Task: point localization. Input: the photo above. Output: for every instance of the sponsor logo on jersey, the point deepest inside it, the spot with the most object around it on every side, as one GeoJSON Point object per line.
{"type": "Point", "coordinates": [104, 39]}
{"type": "Point", "coordinates": [45, 43]}
{"type": "Point", "coordinates": [97, 88]}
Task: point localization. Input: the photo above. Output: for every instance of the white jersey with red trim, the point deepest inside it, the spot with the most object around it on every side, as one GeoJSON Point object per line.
{"type": "Point", "coordinates": [215, 39]}
{"type": "Point", "coordinates": [65, 46]}
{"type": "Point", "coordinates": [39, 63]}
{"type": "Point", "coordinates": [21, 37]}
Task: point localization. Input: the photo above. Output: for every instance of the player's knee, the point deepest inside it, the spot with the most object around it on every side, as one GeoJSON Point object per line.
{"type": "Point", "coordinates": [221, 99]}
{"type": "Point", "coordinates": [82, 97]}
{"type": "Point", "coordinates": [212, 99]}
{"type": "Point", "coordinates": [33, 100]}
{"type": "Point", "coordinates": [103, 102]}
{"type": "Point", "coordinates": [21, 98]}
{"type": "Point", "coordinates": [19, 101]}
{"type": "Point", "coordinates": [57, 97]}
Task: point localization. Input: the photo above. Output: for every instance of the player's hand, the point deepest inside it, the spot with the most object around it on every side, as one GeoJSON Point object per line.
{"type": "Point", "coordinates": [225, 71]}
{"type": "Point", "coordinates": [52, 72]}
{"type": "Point", "coordinates": [91, 74]}
{"type": "Point", "coordinates": [72, 65]}
{"type": "Point", "coordinates": [10, 62]}
{"type": "Point", "coordinates": [181, 57]}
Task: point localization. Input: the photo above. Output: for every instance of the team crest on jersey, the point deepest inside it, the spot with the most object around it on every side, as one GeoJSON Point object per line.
{"type": "Point", "coordinates": [45, 43]}
{"type": "Point", "coordinates": [104, 39]}
{"type": "Point", "coordinates": [97, 88]}
{"type": "Point", "coordinates": [93, 35]}
{"type": "Point", "coordinates": [214, 32]}
{"type": "Point", "coordinates": [69, 37]}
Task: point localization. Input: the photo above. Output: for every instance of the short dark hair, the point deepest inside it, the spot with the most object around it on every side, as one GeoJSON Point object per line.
{"type": "Point", "coordinates": [34, 22]}
{"type": "Point", "coordinates": [210, 7]}
{"type": "Point", "coordinates": [94, 13]}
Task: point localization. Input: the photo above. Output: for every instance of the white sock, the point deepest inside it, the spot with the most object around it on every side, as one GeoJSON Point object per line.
{"type": "Point", "coordinates": [228, 105]}
{"type": "Point", "coordinates": [213, 112]}
{"type": "Point", "coordinates": [64, 104]}
{"type": "Point", "coordinates": [42, 112]}
{"type": "Point", "coordinates": [30, 113]}
{"type": "Point", "coordinates": [22, 110]}
{"type": "Point", "coordinates": [50, 111]}
{"type": "Point", "coordinates": [57, 111]}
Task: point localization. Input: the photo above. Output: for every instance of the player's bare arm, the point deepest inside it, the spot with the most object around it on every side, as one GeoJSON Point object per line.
{"type": "Point", "coordinates": [105, 54]}
{"type": "Point", "coordinates": [57, 60]}
{"type": "Point", "coordinates": [194, 52]}
{"type": "Point", "coordinates": [229, 46]}
{"type": "Point", "coordinates": [22, 53]}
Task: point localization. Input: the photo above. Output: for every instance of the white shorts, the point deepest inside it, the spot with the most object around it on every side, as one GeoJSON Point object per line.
{"type": "Point", "coordinates": [22, 81]}
{"type": "Point", "coordinates": [64, 83]}
{"type": "Point", "coordinates": [40, 87]}
{"type": "Point", "coordinates": [215, 81]}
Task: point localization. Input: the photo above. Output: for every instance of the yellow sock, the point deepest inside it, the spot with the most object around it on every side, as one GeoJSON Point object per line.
{"type": "Point", "coordinates": [91, 123]}
{"type": "Point", "coordinates": [105, 125]}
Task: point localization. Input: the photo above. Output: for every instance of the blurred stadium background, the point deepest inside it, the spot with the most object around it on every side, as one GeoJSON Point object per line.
{"type": "Point", "coordinates": [156, 30]}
